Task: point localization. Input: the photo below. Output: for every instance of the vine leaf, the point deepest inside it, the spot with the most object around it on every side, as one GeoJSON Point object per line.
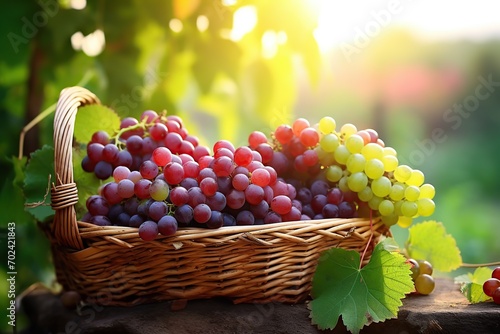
{"type": "Point", "coordinates": [361, 296]}
{"type": "Point", "coordinates": [87, 183]}
{"type": "Point", "coordinates": [36, 183]}
{"type": "Point", "coordinates": [472, 284]}
{"type": "Point", "coordinates": [92, 118]}
{"type": "Point", "coordinates": [429, 241]}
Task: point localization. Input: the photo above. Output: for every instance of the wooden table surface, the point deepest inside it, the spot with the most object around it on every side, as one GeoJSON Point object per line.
{"type": "Point", "coordinates": [446, 310]}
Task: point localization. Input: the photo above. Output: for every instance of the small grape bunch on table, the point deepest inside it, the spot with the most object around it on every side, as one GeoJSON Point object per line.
{"type": "Point", "coordinates": [421, 273]}
{"type": "Point", "coordinates": [491, 287]}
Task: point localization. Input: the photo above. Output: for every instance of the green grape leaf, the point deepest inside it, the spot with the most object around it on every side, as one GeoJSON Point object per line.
{"type": "Point", "coordinates": [429, 241]}
{"type": "Point", "coordinates": [18, 165]}
{"type": "Point", "coordinates": [361, 296]}
{"type": "Point", "coordinates": [11, 192]}
{"type": "Point", "coordinates": [36, 183]}
{"type": "Point", "coordinates": [471, 285]}
{"type": "Point", "coordinates": [92, 118]}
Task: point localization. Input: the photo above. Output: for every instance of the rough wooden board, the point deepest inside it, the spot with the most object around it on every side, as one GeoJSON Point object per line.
{"type": "Point", "coordinates": [444, 311]}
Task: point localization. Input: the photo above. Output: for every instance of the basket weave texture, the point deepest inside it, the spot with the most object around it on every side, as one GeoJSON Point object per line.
{"type": "Point", "coordinates": [111, 265]}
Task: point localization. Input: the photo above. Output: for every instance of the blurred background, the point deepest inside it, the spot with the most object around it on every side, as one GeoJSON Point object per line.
{"type": "Point", "coordinates": [424, 74]}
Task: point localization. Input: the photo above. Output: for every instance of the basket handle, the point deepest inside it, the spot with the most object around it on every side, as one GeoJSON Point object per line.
{"type": "Point", "coordinates": [64, 194]}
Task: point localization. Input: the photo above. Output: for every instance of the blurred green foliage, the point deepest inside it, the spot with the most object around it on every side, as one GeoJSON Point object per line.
{"type": "Point", "coordinates": [196, 73]}
{"type": "Point", "coordinates": [463, 167]}
{"type": "Point", "coordinates": [225, 88]}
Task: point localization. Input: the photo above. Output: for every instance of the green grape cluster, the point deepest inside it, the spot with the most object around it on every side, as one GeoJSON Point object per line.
{"type": "Point", "coordinates": [421, 274]}
{"type": "Point", "coordinates": [358, 161]}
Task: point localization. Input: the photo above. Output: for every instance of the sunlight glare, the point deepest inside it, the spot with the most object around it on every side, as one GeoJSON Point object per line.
{"type": "Point", "coordinates": [244, 20]}
{"type": "Point", "coordinates": [269, 44]}
{"type": "Point", "coordinates": [93, 44]}
{"type": "Point", "coordinates": [78, 4]}
{"type": "Point", "coordinates": [77, 40]}
{"type": "Point", "coordinates": [175, 25]}
{"type": "Point", "coordinates": [333, 23]}
{"type": "Point", "coordinates": [351, 21]}
{"type": "Point", "coordinates": [202, 23]}
{"type": "Point", "coordinates": [281, 37]}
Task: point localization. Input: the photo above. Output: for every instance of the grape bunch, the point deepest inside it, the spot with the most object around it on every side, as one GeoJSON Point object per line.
{"type": "Point", "coordinates": [170, 187]}
{"type": "Point", "coordinates": [358, 163]}
{"type": "Point", "coordinates": [135, 142]}
{"type": "Point", "coordinates": [136, 194]}
{"type": "Point", "coordinates": [491, 287]}
{"type": "Point", "coordinates": [157, 177]}
{"type": "Point", "coordinates": [292, 153]}
{"type": "Point", "coordinates": [421, 274]}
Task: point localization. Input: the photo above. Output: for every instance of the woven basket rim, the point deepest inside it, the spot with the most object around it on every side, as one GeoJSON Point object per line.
{"type": "Point", "coordinates": [246, 228]}
{"type": "Point", "coordinates": [298, 232]}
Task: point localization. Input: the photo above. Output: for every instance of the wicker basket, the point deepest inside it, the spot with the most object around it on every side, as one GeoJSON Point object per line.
{"type": "Point", "coordinates": [113, 266]}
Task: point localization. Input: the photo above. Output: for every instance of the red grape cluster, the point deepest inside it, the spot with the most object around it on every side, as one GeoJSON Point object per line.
{"type": "Point", "coordinates": [136, 141]}
{"type": "Point", "coordinates": [162, 179]}
{"type": "Point", "coordinates": [491, 287]}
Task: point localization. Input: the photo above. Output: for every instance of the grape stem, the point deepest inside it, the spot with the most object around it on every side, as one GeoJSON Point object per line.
{"type": "Point", "coordinates": [476, 265]}
{"type": "Point", "coordinates": [141, 125]}
{"type": "Point", "coordinates": [369, 240]}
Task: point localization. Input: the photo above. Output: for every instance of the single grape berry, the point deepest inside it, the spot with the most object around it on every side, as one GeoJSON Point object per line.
{"type": "Point", "coordinates": [283, 134]}
{"type": "Point", "coordinates": [161, 156]}
{"type": "Point", "coordinates": [415, 268]}
{"type": "Point", "coordinates": [148, 230]}
{"type": "Point", "coordinates": [216, 220]}
{"type": "Point", "coordinates": [281, 204]}
{"type": "Point", "coordinates": [256, 138]}
{"type": "Point", "coordinates": [425, 267]}
{"type": "Point", "coordinates": [167, 225]}
{"type": "Point", "coordinates": [490, 286]}
{"type": "Point", "coordinates": [424, 284]}
{"type": "Point", "coordinates": [496, 273]}
{"type": "Point", "coordinates": [496, 296]}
